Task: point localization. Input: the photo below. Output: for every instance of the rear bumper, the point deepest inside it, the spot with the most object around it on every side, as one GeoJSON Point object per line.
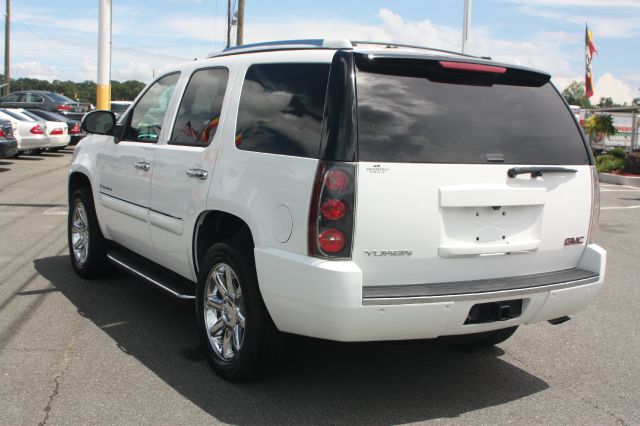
{"type": "Point", "coordinates": [59, 141]}
{"type": "Point", "coordinates": [324, 299]}
{"type": "Point", "coordinates": [8, 148]}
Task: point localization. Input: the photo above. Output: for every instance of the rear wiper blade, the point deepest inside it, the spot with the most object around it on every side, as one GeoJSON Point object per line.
{"type": "Point", "coordinates": [537, 171]}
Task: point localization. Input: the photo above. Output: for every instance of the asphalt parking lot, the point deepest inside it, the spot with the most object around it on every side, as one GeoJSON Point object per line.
{"type": "Point", "coordinates": [117, 351]}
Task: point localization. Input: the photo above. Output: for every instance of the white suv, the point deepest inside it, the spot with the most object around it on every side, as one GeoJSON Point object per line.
{"type": "Point", "coordinates": [343, 190]}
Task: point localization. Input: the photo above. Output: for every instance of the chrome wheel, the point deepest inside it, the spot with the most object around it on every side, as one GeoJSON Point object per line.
{"type": "Point", "coordinates": [224, 311]}
{"type": "Point", "coordinates": [80, 234]}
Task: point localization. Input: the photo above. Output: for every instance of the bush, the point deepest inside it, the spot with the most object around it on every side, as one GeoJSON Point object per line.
{"type": "Point", "coordinates": [632, 163]}
{"type": "Point", "coordinates": [607, 162]}
{"type": "Point", "coordinates": [618, 152]}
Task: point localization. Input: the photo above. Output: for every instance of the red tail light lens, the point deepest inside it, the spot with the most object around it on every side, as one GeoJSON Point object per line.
{"type": "Point", "coordinates": [63, 107]}
{"type": "Point", "coordinates": [333, 209]}
{"type": "Point", "coordinates": [595, 203]}
{"type": "Point", "coordinates": [331, 213]}
{"type": "Point", "coordinates": [2, 134]}
{"type": "Point", "coordinates": [37, 130]}
{"type": "Point", "coordinates": [57, 132]}
{"type": "Point", "coordinates": [332, 240]}
{"type": "Point", "coordinates": [336, 179]}
{"type": "Point", "coordinates": [74, 130]}
{"type": "Point", "coordinates": [468, 66]}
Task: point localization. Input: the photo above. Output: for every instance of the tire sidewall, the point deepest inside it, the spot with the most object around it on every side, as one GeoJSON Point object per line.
{"type": "Point", "coordinates": [242, 264]}
{"type": "Point", "coordinates": [96, 262]}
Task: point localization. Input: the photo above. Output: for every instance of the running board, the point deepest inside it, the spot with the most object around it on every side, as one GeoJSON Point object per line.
{"type": "Point", "coordinates": [172, 283]}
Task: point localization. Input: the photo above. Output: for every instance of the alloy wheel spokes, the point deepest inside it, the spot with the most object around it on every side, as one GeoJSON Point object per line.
{"type": "Point", "coordinates": [80, 234]}
{"type": "Point", "coordinates": [224, 311]}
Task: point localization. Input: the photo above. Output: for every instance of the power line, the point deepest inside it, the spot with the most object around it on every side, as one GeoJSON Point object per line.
{"type": "Point", "coordinates": [46, 42]}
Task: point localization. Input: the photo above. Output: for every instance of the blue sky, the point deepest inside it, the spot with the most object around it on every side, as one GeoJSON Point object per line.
{"type": "Point", "coordinates": [58, 40]}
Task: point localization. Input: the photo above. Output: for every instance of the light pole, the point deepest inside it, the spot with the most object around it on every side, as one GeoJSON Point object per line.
{"type": "Point", "coordinates": [103, 95]}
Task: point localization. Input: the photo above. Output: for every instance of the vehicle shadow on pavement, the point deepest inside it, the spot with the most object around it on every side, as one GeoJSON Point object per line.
{"type": "Point", "coordinates": [319, 382]}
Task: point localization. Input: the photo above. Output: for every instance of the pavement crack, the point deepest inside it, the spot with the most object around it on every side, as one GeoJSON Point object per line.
{"type": "Point", "coordinates": [47, 408]}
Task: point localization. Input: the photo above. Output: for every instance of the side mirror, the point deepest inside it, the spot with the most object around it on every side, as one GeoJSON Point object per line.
{"type": "Point", "coordinates": [100, 122]}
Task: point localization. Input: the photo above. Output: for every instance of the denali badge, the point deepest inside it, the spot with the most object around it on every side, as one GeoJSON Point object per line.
{"type": "Point", "coordinates": [388, 252]}
{"type": "Point", "coordinates": [573, 241]}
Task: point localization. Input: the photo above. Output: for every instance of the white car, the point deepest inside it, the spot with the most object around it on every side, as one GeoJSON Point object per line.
{"type": "Point", "coordinates": [56, 131]}
{"type": "Point", "coordinates": [344, 191]}
{"type": "Point", "coordinates": [30, 135]}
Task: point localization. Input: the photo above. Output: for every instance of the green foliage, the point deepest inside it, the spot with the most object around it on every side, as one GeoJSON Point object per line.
{"type": "Point", "coordinates": [618, 152]}
{"type": "Point", "coordinates": [599, 125]}
{"type": "Point", "coordinates": [575, 94]}
{"type": "Point", "coordinates": [606, 103]}
{"type": "Point", "coordinates": [606, 163]}
{"type": "Point", "coordinates": [84, 91]}
{"type": "Point", "coordinates": [632, 162]}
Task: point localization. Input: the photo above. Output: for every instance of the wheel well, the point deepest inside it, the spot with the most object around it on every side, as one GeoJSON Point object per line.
{"type": "Point", "coordinates": [216, 226]}
{"type": "Point", "coordinates": [78, 180]}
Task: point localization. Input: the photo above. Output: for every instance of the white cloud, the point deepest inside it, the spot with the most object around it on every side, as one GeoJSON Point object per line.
{"type": "Point", "coordinates": [610, 86]}
{"type": "Point", "coordinates": [36, 69]}
{"type": "Point", "coordinates": [601, 26]}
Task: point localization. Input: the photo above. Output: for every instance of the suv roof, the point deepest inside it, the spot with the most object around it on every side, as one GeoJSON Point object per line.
{"type": "Point", "coordinates": [326, 44]}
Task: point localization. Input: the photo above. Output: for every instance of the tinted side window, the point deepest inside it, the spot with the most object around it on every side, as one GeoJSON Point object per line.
{"type": "Point", "coordinates": [14, 97]}
{"type": "Point", "coordinates": [148, 114]}
{"type": "Point", "coordinates": [199, 112]}
{"type": "Point", "coordinates": [281, 109]}
{"type": "Point", "coordinates": [33, 97]}
{"type": "Point", "coordinates": [407, 118]}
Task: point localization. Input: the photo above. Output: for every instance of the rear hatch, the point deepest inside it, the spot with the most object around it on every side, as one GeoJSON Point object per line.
{"type": "Point", "coordinates": [437, 139]}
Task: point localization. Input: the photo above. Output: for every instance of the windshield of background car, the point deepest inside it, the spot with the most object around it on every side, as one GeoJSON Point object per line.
{"type": "Point", "coordinates": [18, 116]}
{"type": "Point", "coordinates": [406, 114]}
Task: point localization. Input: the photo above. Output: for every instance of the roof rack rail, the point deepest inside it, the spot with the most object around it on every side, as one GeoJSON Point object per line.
{"type": "Point", "coordinates": [433, 49]}
{"type": "Point", "coordinates": [283, 45]}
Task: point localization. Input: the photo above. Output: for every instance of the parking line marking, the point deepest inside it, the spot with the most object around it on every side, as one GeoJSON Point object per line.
{"type": "Point", "coordinates": [57, 210]}
{"type": "Point", "coordinates": [620, 190]}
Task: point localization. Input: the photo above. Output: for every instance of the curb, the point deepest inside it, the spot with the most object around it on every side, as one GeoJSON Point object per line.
{"type": "Point", "coordinates": [619, 180]}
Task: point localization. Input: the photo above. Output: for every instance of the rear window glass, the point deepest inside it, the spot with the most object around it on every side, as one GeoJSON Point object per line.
{"type": "Point", "coordinates": [281, 108]}
{"type": "Point", "coordinates": [57, 97]}
{"type": "Point", "coordinates": [403, 118]}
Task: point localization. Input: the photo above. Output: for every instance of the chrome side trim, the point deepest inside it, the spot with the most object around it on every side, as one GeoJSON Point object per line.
{"type": "Point", "coordinates": [149, 279]}
{"type": "Point", "coordinates": [366, 301]}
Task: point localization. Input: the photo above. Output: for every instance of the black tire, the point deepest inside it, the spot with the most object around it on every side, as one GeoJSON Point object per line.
{"type": "Point", "coordinates": [261, 344]}
{"type": "Point", "coordinates": [489, 338]}
{"type": "Point", "coordinates": [94, 264]}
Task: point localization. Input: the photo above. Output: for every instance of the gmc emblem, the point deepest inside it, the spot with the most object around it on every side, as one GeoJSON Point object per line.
{"type": "Point", "coordinates": [573, 241]}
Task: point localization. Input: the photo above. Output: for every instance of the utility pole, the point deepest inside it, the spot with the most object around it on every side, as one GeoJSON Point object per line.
{"type": "Point", "coordinates": [466, 24]}
{"type": "Point", "coordinates": [103, 95]}
{"type": "Point", "coordinates": [240, 27]}
{"type": "Point", "coordinates": [228, 23]}
{"type": "Point", "coordinates": [7, 62]}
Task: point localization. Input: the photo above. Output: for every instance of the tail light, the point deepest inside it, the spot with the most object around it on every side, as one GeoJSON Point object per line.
{"type": "Point", "coordinates": [75, 129]}
{"type": "Point", "coordinates": [57, 132]}
{"type": "Point", "coordinates": [63, 107]}
{"type": "Point", "coordinates": [469, 66]}
{"type": "Point", "coordinates": [595, 203]}
{"type": "Point", "coordinates": [2, 134]}
{"type": "Point", "coordinates": [332, 209]}
{"type": "Point", "coordinates": [37, 130]}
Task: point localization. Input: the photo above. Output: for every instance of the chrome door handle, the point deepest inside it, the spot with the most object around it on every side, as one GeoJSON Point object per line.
{"type": "Point", "coordinates": [197, 173]}
{"type": "Point", "coordinates": [142, 165]}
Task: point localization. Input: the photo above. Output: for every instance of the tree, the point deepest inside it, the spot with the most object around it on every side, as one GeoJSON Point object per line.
{"type": "Point", "coordinates": [575, 94]}
{"type": "Point", "coordinates": [606, 103]}
{"type": "Point", "coordinates": [599, 126]}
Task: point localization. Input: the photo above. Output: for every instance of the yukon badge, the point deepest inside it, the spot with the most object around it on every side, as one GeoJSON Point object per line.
{"type": "Point", "coordinates": [388, 252]}
{"type": "Point", "coordinates": [571, 241]}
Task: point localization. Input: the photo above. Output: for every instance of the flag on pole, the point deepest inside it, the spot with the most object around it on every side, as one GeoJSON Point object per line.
{"type": "Point", "coordinates": [589, 50]}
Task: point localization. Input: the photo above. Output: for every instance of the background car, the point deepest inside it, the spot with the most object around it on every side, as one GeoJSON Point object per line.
{"type": "Point", "coordinates": [75, 131]}
{"type": "Point", "coordinates": [30, 134]}
{"type": "Point", "coordinates": [8, 144]}
{"type": "Point", "coordinates": [57, 131]}
{"type": "Point", "coordinates": [118, 107]}
{"type": "Point", "coordinates": [42, 99]}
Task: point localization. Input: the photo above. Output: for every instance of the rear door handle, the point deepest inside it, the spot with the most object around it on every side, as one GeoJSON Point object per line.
{"type": "Point", "coordinates": [197, 173]}
{"type": "Point", "coordinates": [142, 165]}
